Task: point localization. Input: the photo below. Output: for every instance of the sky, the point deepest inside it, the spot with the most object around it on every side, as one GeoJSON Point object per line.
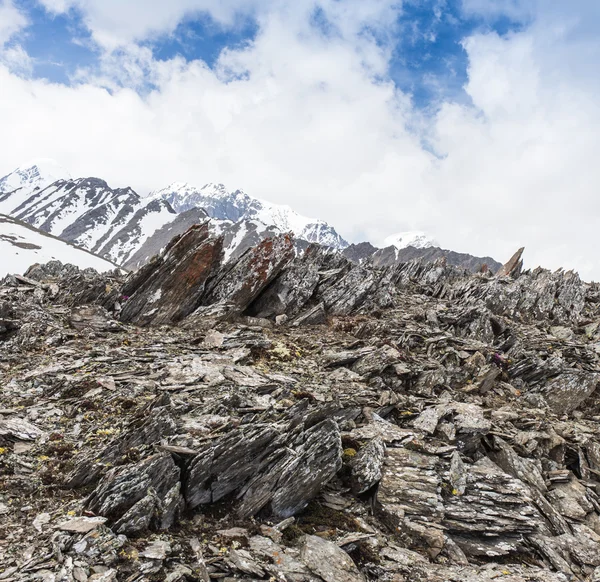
{"type": "Point", "coordinates": [476, 121]}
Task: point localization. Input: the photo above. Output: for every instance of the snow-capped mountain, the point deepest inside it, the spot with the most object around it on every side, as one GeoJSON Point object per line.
{"type": "Point", "coordinates": [411, 238]}
{"type": "Point", "coordinates": [236, 205]}
{"type": "Point", "coordinates": [112, 223]}
{"type": "Point", "coordinates": [22, 245]}
{"type": "Point", "coordinates": [119, 225]}
{"type": "Point", "coordinates": [17, 186]}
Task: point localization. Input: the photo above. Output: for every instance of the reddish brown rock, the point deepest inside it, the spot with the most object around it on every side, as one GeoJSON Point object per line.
{"type": "Point", "coordinates": [171, 286]}
{"type": "Point", "coordinates": [240, 283]}
{"type": "Point", "coordinates": [514, 265]}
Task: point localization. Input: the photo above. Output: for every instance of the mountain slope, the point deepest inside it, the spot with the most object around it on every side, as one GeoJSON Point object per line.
{"type": "Point", "coordinates": [112, 223]}
{"type": "Point", "coordinates": [17, 186]}
{"type": "Point", "coordinates": [236, 205]}
{"type": "Point", "coordinates": [22, 245]}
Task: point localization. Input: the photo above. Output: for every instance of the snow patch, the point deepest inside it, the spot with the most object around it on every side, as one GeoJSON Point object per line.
{"type": "Point", "coordinates": [22, 246]}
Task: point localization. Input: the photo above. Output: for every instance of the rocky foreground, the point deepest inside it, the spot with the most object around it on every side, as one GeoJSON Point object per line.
{"type": "Point", "coordinates": [298, 419]}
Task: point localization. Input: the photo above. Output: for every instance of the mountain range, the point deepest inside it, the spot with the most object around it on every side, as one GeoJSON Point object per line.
{"type": "Point", "coordinates": [125, 228]}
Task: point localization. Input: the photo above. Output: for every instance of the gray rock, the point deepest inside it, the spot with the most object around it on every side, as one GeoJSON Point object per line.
{"type": "Point", "coordinates": [328, 561]}
{"type": "Point", "coordinates": [243, 280]}
{"type": "Point", "coordinates": [133, 497]}
{"type": "Point", "coordinates": [569, 391]}
{"type": "Point", "coordinates": [367, 466]}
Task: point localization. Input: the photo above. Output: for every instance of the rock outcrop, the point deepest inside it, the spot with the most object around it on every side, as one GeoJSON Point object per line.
{"type": "Point", "coordinates": [304, 418]}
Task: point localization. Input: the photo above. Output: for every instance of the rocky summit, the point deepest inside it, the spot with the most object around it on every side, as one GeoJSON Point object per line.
{"type": "Point", "coordinates": [298, 419]}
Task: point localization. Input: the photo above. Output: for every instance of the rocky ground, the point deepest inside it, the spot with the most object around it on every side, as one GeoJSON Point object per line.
{"type": "Point", "coordinates": [298, 420]}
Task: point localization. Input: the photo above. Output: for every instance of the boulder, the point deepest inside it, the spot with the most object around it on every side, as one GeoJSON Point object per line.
{"type": "Point", "coordinates": [139, 496]}
{"type": "Point", "coordinates": [328, 561]}
{"type": "Point", "coordinates": [240, 282]}
{"type": "Point", "coordinates": [267, 469]}
{"type": "Point", "coordinates": [171, 285]}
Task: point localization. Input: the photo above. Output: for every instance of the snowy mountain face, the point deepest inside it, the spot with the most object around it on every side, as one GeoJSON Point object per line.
{"type": "Point", "coordinates": [221, 204]}
{"type": "Point", "coordinates": [17, 186]}
{"type": "Point", "coordinates": [112, 223]}
{"type": "Point", "coordinates": [21, 246]}
{"type": "Point", "coordinates": [413, 238]}
{"type": "Point", "coordinates": [122, 227]}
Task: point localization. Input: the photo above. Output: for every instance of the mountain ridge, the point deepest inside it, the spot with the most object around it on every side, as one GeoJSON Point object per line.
{"type": "Point", "coordinates": [235, 205]}
{"type": "Point", "coordinates": [122, 226]}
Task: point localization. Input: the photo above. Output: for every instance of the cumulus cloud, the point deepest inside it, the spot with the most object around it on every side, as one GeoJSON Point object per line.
{"type": "Point", "coordinates": [115, 23]}
{"type": "Point", "coordinates": [12, 21]}
{"type": "Point", "coordinates": [16, 60]}
{"type": "Point", "coordinates": [305, 115]}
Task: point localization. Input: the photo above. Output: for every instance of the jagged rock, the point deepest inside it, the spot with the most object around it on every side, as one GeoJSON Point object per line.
{"type": "Point", "coordinates": [296, 477]}
{"type": "Point", "coordinates": [458, 474]}
{"type": "Point", "coordinates": [492, 514]}
{"type": "Point", "coordinates": [327, 561]}
{"type": "Point", "coordinates": [410, 487]}
{"type": "Point", "coordinates": [569, 391]}
{"type": "Point", "coordinates": [349, 292]}
{"type": "Point", "coordinates": [466, 407]}
{"type": "Point", "coordinates": [145, 431]}
{"type": "Point", "coordinates": [92, 318]}
{"type": "Point", "coordinates": [391, 256]}
{"type": "Point", "coordinates": [18, 429]}
{"type": "Point", "coordinates": [261, 466]}
{"type": "Point", "coordinates": [226, 464]}
{"type": "Point", "coordinates": [157, 550]}
{"type": "Point", "coordinates": [376, 362]}
{"type": "Point", "coordinates": [366, 466]}
{"type": "Point", "coordinates": [241, 283]}
{"type": "Point", "coordinates": [81, 524]}
{"type": "Point", "coordinates": [171, 286]}
{"type": "Point", "coordinates": [133, 498]}
{"type": "Point", "coordinates": [513, 267]}
{"type": "Point", "coordinates": [100, 546]}
{"type": "Point", "coordinates": [290, 292]}
{"type": "Point", "coordinates": [213, 339]}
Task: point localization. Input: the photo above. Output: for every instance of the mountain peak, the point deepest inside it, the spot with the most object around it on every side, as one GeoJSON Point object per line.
{"type": "Point", "coordinates": [411, 238]}
{"type": "Point", "coordinates": [40, 172]}
{"type": "Point", "coordinates": [235, 205]}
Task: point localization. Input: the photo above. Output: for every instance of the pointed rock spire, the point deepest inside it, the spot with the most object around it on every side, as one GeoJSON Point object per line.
{"type": "Point", "coordinates": [514, 265]}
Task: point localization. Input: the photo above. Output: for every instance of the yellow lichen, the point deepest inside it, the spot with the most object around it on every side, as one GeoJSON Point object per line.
{"type": "Point", "coordinates": [107, 431]}
{"type": "Point", "coordinates": [349, 453]}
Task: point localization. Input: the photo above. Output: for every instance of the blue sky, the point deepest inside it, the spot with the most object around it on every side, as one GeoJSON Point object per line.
{"type": "Point", "coordinates": [428, 59]}
{"type": "Point", "coordinates": [476, 121]}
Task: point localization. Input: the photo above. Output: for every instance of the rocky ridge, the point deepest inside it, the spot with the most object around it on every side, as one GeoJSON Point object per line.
{"type": "Point", "coordinates": [389, 256]}
{"type": "Point", "coordinates": [298, 419]}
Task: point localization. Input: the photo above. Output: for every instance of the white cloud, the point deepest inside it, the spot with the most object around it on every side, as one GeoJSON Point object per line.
{"type": "Point", "coordinates": [301, 118]}
{"type": "Point", "coordinates": [116, 23]}
{"type": "Point", "coordinates": [514, 9]}
{"type": "Point", "coordinates": [12, 21]}
{"type": "Point", "coordinates": [17, 60]}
